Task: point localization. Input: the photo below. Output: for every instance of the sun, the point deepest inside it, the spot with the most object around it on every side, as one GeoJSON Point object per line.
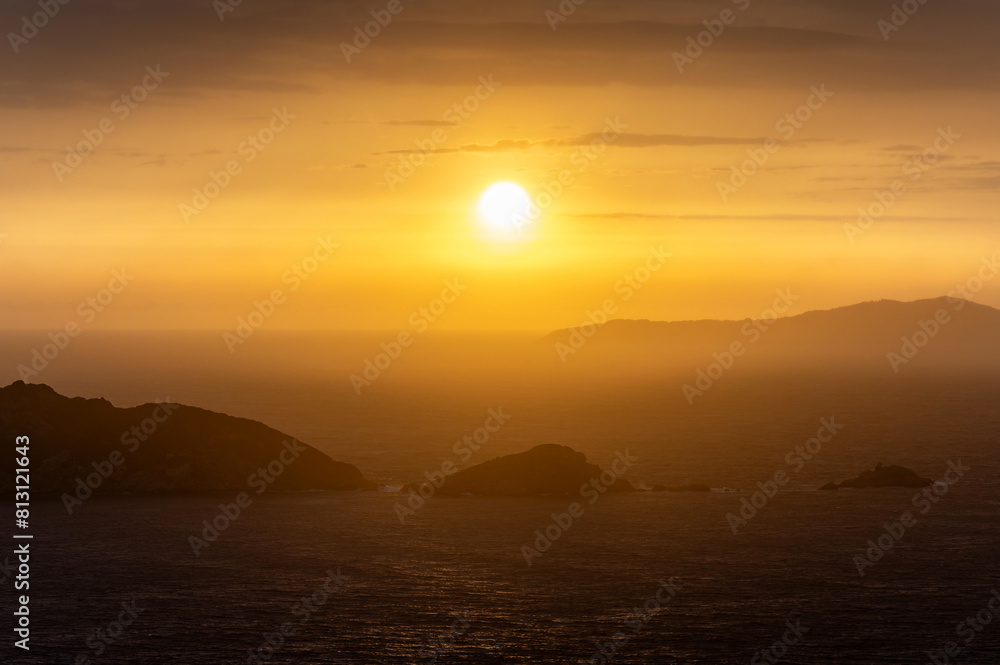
{"type": "Point", "coordinates": [506, 207]}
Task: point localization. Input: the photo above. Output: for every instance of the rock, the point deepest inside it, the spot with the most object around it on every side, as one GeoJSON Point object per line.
{"type": "Point", "coordinates": [681, 488]}
{"type": "Point", "coordinates": [157, 448]}
{"type": "Point", "coordinates": [545, 469]}
{"type": "Point", "coordinates": [883, 476]}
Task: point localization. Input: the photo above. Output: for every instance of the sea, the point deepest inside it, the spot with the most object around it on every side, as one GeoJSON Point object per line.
{"type": "Point", "coordinates": [770, 573]}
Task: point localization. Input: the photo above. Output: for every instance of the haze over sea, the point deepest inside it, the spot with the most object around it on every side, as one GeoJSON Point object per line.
{"type": "Point", "coordinates": [406, 582]}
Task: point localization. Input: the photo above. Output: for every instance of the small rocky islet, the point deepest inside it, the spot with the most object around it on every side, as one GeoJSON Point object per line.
{"type": "Point", "coordinates": [882, 476]}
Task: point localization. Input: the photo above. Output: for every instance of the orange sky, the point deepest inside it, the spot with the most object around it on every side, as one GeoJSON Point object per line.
{"type": "Point", "coordinates": [657, 184]}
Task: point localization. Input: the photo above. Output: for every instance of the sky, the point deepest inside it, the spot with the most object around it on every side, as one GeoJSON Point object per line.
{"type": "Point", "coordinates": [265, 152]}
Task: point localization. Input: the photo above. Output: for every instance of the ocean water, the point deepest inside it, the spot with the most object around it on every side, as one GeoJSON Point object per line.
{"type": "Point", "coordinates": [406, 583]}
{"type": "Point", "coordinates": [450, 583]}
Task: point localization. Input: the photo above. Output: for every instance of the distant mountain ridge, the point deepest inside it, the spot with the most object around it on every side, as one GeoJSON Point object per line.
{"type": "Point", "coordinates": [157, 447]}
{"type": "Point", "coordinates": [939, 333]}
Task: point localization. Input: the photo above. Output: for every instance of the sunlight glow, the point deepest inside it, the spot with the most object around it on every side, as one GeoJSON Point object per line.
{"type": "Point", "coordinates": [504, 206]}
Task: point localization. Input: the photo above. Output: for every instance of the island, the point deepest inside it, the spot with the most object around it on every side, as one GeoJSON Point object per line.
{"type": "Point", "coordinates": [82, 446]}
{"type": "Point", "coordinates": [547, 469]}
{"type": "Point", "coordinates": [681, 488]}
{"type": "Point", "coordinates": [882, 476]}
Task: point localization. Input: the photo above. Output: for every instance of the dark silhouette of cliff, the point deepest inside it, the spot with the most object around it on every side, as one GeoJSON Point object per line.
{"type": "Point", "coordinates": [882, 476]}
{"type": "Point", "coordinates": [545, 469]}
{"type": "Point", "coordinates": [932, 335]}
{"type": "Point", "coordinates": [157, 448]}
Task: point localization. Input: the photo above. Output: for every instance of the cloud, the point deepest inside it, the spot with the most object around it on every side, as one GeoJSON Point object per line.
{"type": "Point", "coordinates": [419, 123]}
{"type": "Point", "coordinates": [981, 176]}
{"type": "Point", "coordinates": [93, 51]}
{"type": "Point", "coordinates": [676, 140]}
{"type": "Point", "coordinates": [985, 184]}
{"type": "Point", "coordinates": [905, 148]}
{"type": "Point", "coordinates": [762, 218]}
{"type": "Point", "coordinates": [623, 141]}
